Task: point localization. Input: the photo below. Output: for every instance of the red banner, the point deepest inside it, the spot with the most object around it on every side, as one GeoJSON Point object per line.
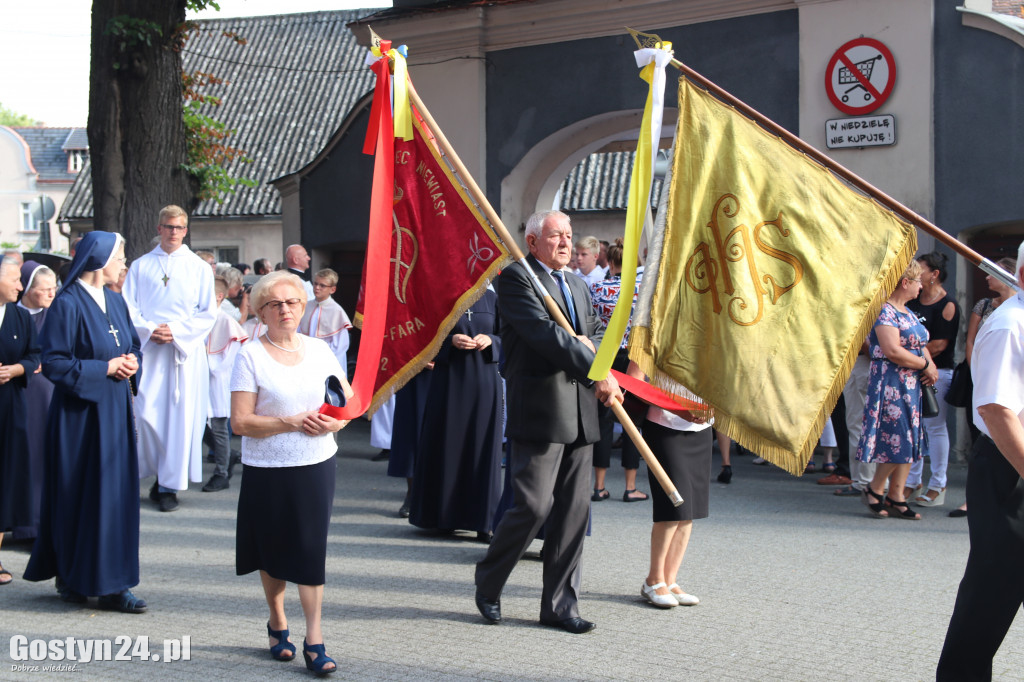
{"type": "Point", "coordinates": [443, 254]}
{"type": "Point", "coordinates": [379, 139]}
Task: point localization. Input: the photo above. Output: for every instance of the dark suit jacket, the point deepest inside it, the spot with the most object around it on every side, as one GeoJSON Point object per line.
{"type": "Point", "coordinates": [549, 395]}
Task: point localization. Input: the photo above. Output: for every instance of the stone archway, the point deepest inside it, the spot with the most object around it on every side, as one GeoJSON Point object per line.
{"type": "Point", "coordinates": [533, 183]}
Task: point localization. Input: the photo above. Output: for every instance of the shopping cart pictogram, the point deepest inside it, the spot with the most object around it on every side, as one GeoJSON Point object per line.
{"type": "Point", "coordinates": [846, 76]}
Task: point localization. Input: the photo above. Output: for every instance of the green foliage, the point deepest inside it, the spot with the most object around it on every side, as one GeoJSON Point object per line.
{"type": "Point", "coordinates": [205, 136]}
{"type": "Point", "coordinates": [130, 34]}
{"type": "Point", "coordinates": [200, 5]}
{"type": "Point", "coordinates": [9, 117]}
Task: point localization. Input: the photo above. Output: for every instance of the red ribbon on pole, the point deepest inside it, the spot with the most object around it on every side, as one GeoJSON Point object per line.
{"type": "Point", "coordinates": [381, 131]}
{"type": "Point", "coordinates": [655, 396]}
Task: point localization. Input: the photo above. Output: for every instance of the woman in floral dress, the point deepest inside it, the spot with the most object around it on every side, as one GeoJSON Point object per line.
{"type": "Point", "coordinates": [900, 363]}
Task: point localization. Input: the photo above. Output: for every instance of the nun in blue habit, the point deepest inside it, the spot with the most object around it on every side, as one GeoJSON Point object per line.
{"type": "Point", "coordinates": [19, 359]}
{"type": "Point", "coordinates": [89, 525]}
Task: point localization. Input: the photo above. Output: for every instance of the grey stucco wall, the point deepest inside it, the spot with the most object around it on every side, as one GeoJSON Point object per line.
{"type": "Point", "coordinates": [533, 92]}
{"type": "Point", "coordinates": [979, 124]}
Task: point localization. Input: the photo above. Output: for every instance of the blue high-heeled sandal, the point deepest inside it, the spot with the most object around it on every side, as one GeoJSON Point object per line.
{"type": "Point", "coordinates": [322, 659]}
{"type": "Point", "coordinates": [283, 645]}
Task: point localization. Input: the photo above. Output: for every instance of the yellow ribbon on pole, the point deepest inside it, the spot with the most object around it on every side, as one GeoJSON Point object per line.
{"type": "Point", "coordinates": [653, 61]}
{"type": "Point", "coordinates": [403, 110]}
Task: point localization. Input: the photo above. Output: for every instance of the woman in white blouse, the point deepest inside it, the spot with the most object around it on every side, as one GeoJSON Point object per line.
{"type": "Point", "coordinates": [682, 443]}
{"type": "Point", "coordinates": [287, 493]}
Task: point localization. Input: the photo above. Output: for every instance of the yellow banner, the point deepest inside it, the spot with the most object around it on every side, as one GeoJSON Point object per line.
{"type": "Point", "coordinates": [772, 273]}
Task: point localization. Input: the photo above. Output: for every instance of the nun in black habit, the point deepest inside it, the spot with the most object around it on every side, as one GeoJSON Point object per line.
{"type": "Point", "coordinates": [89, 526]}
{"type": "Point", "coordinates": [40, 286]}
{"type": "Point", "coordinates": [19, 358]}
{"type": "Point", "coordinates": [457, 478]}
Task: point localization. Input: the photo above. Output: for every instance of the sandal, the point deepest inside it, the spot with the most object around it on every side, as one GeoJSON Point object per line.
{"type": "Point", "coordinates": [810, 468]}
{"type": "Point", "coordinates": [10, 576]}
{"type": "Point", "coordinates": [925, 499]}
{"type": "Point", "coordinates": [878, 506]}
{"type": "Point", "coordinates": [828, 467]}
{"type": "Point", "coordinates": [123, 601]}
{"type": "Point", "coordinates": [626, 496]}
{"type": "Point", "coordinates": [283, 646]}
{"type": "Point", "coordinates": [322, 659]}
{"type": "Point", "coordinates": [902, 509]}
{"type": "Point", "coordinates": [600, 494]}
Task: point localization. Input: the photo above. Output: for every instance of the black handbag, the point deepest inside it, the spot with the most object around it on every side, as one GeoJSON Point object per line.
{"type": "Point", "coordinates": [961, 387]}
{"type": "Point", "coordinates": [929, 403]}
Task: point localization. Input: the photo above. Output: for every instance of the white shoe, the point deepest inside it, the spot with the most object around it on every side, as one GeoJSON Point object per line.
{"type": "Point", "coordinates": [663, 601]}
{"type": "Point", "coordinates": [923, 500]}
{"type": "Point", "coordinates": [683, 598]}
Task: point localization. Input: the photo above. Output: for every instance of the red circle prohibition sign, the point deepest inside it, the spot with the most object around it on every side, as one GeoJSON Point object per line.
{"type": "Point", "coordinates": [860, 76]}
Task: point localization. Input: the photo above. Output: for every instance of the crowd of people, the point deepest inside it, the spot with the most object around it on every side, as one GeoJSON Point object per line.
{"type": "Point", "coordinates": [121, 374]}
{"type": "Point", "coordinates": [181, 350]}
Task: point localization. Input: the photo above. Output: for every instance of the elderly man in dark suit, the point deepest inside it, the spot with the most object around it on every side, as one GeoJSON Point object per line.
{"type": "Point", "coordinates": [552, 424]}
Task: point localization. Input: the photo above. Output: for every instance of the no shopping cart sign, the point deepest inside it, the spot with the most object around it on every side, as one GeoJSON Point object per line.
{"type": "Point", "coordinates": [860, 76]}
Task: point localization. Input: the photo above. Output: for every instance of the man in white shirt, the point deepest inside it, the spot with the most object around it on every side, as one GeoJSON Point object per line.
{"type": "Point", "coordinates": [170, 295]}
{"type": "Point", "coordinates": [992, 588]}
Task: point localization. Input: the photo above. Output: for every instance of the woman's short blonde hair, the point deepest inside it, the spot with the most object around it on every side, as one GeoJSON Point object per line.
{"type": "Point", "coordinates": [913, 271]}
{"type": "Point", "coordinates": [260, 293]}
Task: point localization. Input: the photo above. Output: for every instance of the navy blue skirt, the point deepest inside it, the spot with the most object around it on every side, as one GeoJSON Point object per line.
{"type": "Point", "coordinates": [283, 517]}
{"type": "Point", "coordinates": [686, 458]}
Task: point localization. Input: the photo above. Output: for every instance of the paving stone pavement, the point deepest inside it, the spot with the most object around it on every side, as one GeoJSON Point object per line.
{"type": "Point", "coordinates": [795, 584]}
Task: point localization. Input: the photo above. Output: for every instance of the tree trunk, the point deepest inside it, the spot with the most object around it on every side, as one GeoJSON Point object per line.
{"type": "Point", "coordinates": [136, 131]}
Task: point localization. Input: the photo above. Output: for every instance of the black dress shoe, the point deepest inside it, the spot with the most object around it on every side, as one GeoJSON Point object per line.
{"type": "Point", "coordinates": [216, 482]}
{"type": "Point", "coordinates": [154, 492]}
{"type": "Point", "coordinates": [490, 610]}
{"type": "Point", "coordinates": [575, 625]}
{"type": "Point", "coordinates": [168, 502]}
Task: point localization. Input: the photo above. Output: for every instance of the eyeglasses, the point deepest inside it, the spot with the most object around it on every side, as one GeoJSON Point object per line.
{"type": "Point", "coordinates": [122, 259]}
{"type": "Point", "coordinates": [914, 280]}
{"type": "Point", "coordinates": [276, 305]}
{"type": "Point", "coordinates": [319, 285]}
{"type": "Point", "coordinates": [172, 228]}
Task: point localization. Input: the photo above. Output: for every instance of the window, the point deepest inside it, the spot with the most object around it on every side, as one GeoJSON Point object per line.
{"type": "Point", "coordinates": [75, 161]}
{"type": "Point", "coordinates": [226, 254]}
{"type": "Point", "coordinates": [27, 223]}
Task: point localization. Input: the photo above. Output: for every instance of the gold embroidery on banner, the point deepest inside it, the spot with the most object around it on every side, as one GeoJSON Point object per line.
{"type": "Point", "coordinates": [708, 271]}
{"type": "Point", "coordinates": [405, 241]}
{"type": "Point", "coordinates": [479, 253]}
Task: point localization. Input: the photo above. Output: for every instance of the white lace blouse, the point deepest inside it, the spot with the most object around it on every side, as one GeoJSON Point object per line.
{"type": "Point", "coordinates": [281, 391]}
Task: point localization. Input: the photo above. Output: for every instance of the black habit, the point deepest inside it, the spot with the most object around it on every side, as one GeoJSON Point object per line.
{"type": "Point", "coordinates": [457, 480]}
{"type": "Point", "coordinates": [18, 345]}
